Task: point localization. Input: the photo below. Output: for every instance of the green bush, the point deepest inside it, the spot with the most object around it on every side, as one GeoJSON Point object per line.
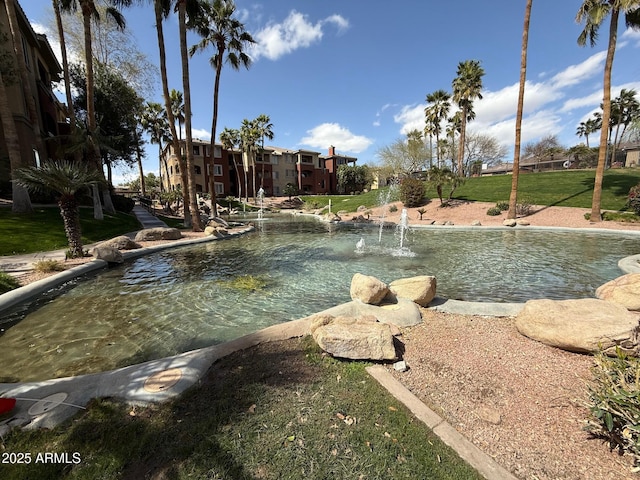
{"type": "Point", "coordinates": [494, 211]}
{"type": "Point", "coordinates": [614, 402]}
{"type": "Point", "coordinates": [503, 206]}
{"type": "Point", "coordinates": [412, 192]}
{"type": "Point", "coordinates": [122, 204]}
{"type": "Point", "coordinates": [633, 199]}
{"type": "Point", "coordinates": [524, 207]}
{"type": "Point", "coordinates": [7, 283]}
{"type": "Point", "coordinates": [393, 208]}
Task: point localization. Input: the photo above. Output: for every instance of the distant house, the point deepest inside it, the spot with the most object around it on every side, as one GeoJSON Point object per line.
{"type": "Point", "coordinates": [632, 155]}
{"type": "Point", "coordinates": [532, 165]}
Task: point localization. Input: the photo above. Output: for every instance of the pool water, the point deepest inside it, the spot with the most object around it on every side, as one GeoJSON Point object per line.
{"type": "Point", "coordinates": [196, 296]}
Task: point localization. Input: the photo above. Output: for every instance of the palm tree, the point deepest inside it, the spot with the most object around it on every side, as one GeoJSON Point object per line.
{"type": "Point", "coordinates": [230, 139]}
{"type": "Point", "coordinates": [89, 12]}
{"type": "Point", "coordinates": [581, 131]}
{"type": "Point", "coordinates": [19, 195]}
{"type": "Point", "coordinates": [466, 87]}
{"type": "Point", "coordinates": [154, 121]}
{"type": "Point", "coordinates": [435, 113]}
{"type": "Point", "coordinates": [513, 197]}
{"type": "Point", "coordinates": [226, 35]}
{"type": "Point", "coordinates": [264, 129]}
{"type": "Point", "coordinates": [64, 179]}
{"type": "Point", "coordinates": [177, 108]}
{"type": "Point", "coordinates": [161, 11]}
{"type": "Point", "coordinates": [249, 141]}
{"type": "Point", "coordinates": [194, 10]}
{"type": "Point", "coordinates": [593, 13]}
{"type": "Point", "coordinates": [624, 108]}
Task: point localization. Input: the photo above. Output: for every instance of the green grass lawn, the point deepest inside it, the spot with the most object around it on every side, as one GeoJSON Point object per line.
{"type": "Point", "coordinates": [571, 188]}
{"type": "Point", "coordinates": [43, 230]}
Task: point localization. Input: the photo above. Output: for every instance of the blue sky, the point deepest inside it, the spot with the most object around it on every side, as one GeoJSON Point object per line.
{"type": "Point", "coordinates": [355, 74]}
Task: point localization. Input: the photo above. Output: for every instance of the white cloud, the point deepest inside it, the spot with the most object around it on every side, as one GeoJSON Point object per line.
{"type": "Point", "coordinates": [199, 133]}
{"type": "Point", "coordinates": [295, 32]}
{"type": "Point", "coordinates": [632, 35]}
{"type": "Point", "coordinates": [574, 74]}
{"type": "Point", "coordinates": [326, 134]}
{"type": "Point", "coordinates": [411, 117]}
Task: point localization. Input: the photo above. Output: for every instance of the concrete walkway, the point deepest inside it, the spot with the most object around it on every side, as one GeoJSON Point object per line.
{"type": "Point", "coordinates": [17, 265]}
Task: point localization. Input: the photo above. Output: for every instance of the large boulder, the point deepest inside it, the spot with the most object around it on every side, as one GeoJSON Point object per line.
{"type": "Point", "coordinates": [107, 253]}
{"type": "Point", "coordinates": [624, 290]}
{"type": "Point", "coordinates": [121, 243]}
{"type": "Point", "coordinates": [158, 233]}
{"type": "Point", "coordinates": [585, 325]}
{"type": "Point", "coordinates": [215, 231]}
{"type": "Point", "coordinates": [356, 338]}
{"type": "Point", "coordinates": [368, 289]}
{"type": "Point", "coordinates": [420, 289]}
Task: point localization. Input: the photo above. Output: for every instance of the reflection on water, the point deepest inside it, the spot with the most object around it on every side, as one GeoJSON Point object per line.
{"type": "Point", "coordinates": [192, 297]}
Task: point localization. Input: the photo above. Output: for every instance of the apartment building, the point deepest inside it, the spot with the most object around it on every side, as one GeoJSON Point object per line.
{"type": "Point", "coordinates": [233, 171]}
{"type": "Point", "coordinates": [42, 69]}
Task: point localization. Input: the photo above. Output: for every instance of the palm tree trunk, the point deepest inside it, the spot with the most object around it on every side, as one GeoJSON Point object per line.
{"type": "Point", "coordinates": [143, 187]}
{"type": "Point", "coordinates": [463, 128]}
{"type": "Point", "coordinates": [214, 124]}
{"type": "Point", "coordinates": [175, 141]}
{"type": "Point", "coordinates": [191, 182]}
{"type": "Point", "coordinates": [20, 195]}
{"type": "Point", "coordinates": [71, 220]}
{"type": "Point", "coordinates": [513, 197]}
{"type": "Point", "coordinates": [596, 215]}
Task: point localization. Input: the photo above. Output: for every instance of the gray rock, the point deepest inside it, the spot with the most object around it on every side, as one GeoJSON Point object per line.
{"type": "Point", "coordinates": [215, 231]}
{"type": "Point", "coordinates": [585, 325]}
{"type": "Point", "coordinates": [368, 289]}
{"type": "Point", "coordinates": [522, 222]}
{"type": "Point", "coordinates": [420, 289]}
{"type": "Point", "coordinates": [476, 223]}
{"type": "Point", "coordinates": [121, 243]}
{"type": "Point", "coordinates": [400, 366]}
{"type": "Point", "coordinates": [509, 222]}
{"type": "Point", "coordinates": [158, 233]}
{"type": "Point", "coordinates": [108, 254]}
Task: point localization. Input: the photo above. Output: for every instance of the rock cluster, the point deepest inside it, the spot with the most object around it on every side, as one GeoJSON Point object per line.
{"type": "Point", "coordinates": [366, 329]}
{"type": "Point", "coordinates": [158, 233]}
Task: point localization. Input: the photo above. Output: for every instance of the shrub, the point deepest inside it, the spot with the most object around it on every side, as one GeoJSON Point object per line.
{"type": "Point", "coordinates": [47, 266]}
{"type": "Point", "coordinates": [633, 200]}
{"type": "Point", "coordinates": [614, 402]}
{"type": "Point", "coordinates": [503, 206]}
{"type": "Point", "coordinates": [412, 192]}
{"type": "Point", "coordinates": [494, 211]}
{"type": "Point", "coordinates": [7, 283]}
{"type": "Point", "coordinates": [421, 211]}
{"type": "Point", "coordinates": [393, 209]}
{"type": "Point", "coordinates": [122, 204]}
{"type": "Point", "coordinates": [524, 207]}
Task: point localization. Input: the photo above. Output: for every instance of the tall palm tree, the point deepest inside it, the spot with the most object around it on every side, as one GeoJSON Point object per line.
{"type": "Point", "coordinates": [593, 13]}
{"type": "Point", "coordinates": [264, 129]}
{"type": "Point", "coordinates": [513, 197]}
{"type": "Point", "coordinates": [436, 112]}
{"type": "Point", "coordinates": [228, 37]}
{"type": "Point", "coordinates": [154, 121]}
{"type": "Point", "coordinates": [19, 195]}
{"type": "Point", "coordinates": [90, 12]}
{"type": "Point", "coordinates": [249, 142]}
{"type": "Point", "coordinates": [63, 179]}
{"type": "Point", "coordinates": [581, 131]}
{"type": "Point", "coordinates": [193, 8]}
{"type": "Point", "coordinates": [230, 139]}
{"type": "Point", "coordinates": [161, 10]}
{"type": "Point", "coordinates": [466, 88]}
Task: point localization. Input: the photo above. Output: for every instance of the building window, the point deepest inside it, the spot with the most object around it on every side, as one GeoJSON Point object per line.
{"type": "Point", "coordinates": [196, 149]}
{"type": "Point", "coordinates": [217, 170]}
{"type": "Point", "coordinates": [219, 188]}
{"type": "Point", "coordinates": [275, 175]}
{"type": "Point", "coordinates": [217, 151]}
{"type": "Point", "coordinates": [198, 169]}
